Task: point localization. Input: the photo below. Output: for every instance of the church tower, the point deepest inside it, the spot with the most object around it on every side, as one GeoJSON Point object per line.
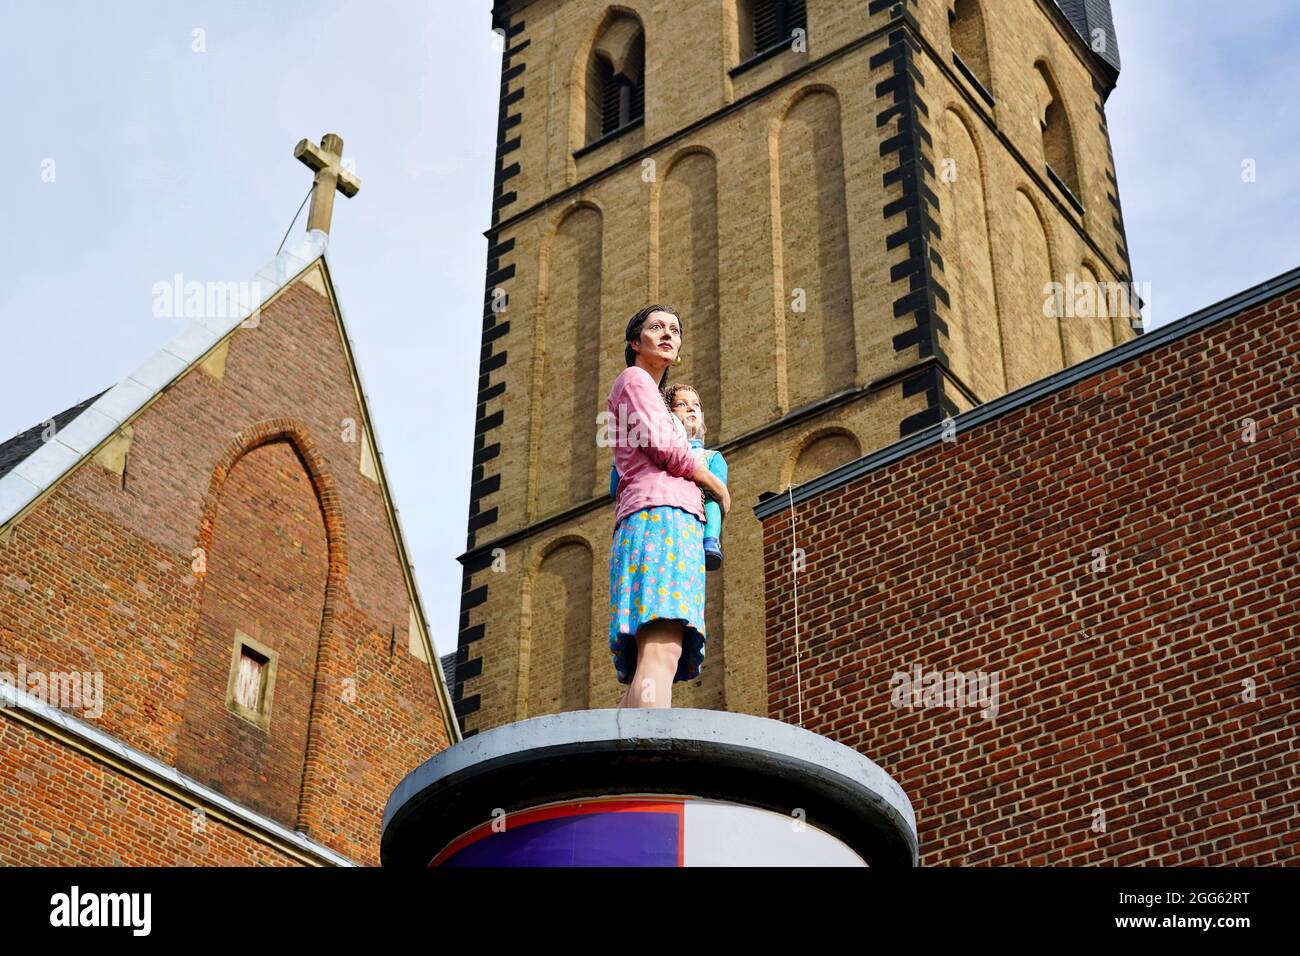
{"type": "Point", "coordinates": [871, 214]}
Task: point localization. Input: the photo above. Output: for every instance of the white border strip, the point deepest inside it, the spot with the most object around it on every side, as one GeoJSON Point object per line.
{"type": "Point", "coordinates": [30, 478]}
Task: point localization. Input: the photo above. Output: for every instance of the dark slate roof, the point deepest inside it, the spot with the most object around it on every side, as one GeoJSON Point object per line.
{"type": "Point", "coordinates": [448, 662]}
{"type": "Point", "coordinates": [23, 444]}
{"type": "Point", "coordinates": [1089, 15]}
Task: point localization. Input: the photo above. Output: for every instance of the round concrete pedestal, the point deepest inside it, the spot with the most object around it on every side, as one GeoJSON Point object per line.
{"type": "Point", "coordinates": [648, 787]}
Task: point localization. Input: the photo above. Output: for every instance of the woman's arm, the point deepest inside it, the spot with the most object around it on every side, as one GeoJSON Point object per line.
{"type": "Point", "coordinates": [651, 428]}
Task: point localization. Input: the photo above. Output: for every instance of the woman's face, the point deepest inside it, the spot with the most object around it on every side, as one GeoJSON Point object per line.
{"type": "Point", "coordinates": [686, 406]}
{"type": "Point", "coordinates": [661, 337]}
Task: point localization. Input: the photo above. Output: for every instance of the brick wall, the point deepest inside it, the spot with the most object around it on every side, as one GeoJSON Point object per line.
{"type": "Point", "coordinates": [260, 468]}
{"type": "Point", "coordinates": [64, 808]}
{"type": "Point", "coordinates": [1123, 560]}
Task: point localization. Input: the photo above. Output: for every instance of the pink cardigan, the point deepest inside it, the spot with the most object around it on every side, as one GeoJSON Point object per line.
{"type": "Point", "coordinates": [654, 460]}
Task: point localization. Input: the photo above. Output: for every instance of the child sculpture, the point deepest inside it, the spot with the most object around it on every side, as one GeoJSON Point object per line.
{"type": "Point", "coordinates": [684, 402]}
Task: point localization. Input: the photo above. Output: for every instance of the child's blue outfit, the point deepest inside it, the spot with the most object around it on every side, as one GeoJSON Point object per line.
{"type": "Point", "coordinates": [712, 510]}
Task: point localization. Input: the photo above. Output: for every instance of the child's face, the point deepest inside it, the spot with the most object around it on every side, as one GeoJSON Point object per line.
{"type": "Point", "coordinates": [686, 406]}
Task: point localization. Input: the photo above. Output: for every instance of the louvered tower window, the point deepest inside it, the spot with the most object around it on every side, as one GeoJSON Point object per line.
{"type": "Point", "coordinates": [775, 20]}
{"type": "Point", "coordinates": [622, 100]}
{"type": "Point", "coordinates": [615, 79]}
{"type": "Point", "coordinates": [638, 99]}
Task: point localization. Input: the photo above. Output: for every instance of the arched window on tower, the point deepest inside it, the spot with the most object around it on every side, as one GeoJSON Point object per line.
{"type": "Point", "coordinates": [616, 79]}
{"type": "Point", "coordinates": [1058, 141]}
{"type": "Point", "coordinates": [767, 25]}
{"type": "Point", "coordinates": [970, 52]}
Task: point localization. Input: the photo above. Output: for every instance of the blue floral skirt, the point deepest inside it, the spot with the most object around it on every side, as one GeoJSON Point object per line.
{"type": "Point", "coordinates": [656, 570]}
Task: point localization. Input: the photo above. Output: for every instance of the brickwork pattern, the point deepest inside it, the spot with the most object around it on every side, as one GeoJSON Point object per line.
{"type": "Point", "coordinates": [1152, 694]}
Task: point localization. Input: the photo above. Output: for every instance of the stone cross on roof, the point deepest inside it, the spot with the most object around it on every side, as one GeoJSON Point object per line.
{"type": "Point", "coordinates": [327, 160]}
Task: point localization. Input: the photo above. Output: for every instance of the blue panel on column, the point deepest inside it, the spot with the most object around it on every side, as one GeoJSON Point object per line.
{"type": "Point", "coordinates": [621, 834]}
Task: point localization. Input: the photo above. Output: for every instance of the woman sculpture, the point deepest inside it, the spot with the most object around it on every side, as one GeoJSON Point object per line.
{"type": "Point", "coordinates": [656, 561]}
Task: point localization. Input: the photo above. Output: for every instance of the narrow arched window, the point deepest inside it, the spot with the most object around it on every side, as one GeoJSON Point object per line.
{"type": "Point", "coordinates": [616, 79]}
{"type": "Point", "coordinates": [1058, 140]}
{"type": "Point", "coordinates": [970, 50]}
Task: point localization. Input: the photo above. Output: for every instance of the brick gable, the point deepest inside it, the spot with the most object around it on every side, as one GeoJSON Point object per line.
{"type": "Point", "coordinates": [256, 473]}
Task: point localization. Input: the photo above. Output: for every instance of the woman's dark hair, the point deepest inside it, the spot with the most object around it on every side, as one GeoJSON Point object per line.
{"type": "Point", "coordinates": [634, 333]}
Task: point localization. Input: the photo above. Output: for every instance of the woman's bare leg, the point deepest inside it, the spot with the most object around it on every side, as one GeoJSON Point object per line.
{"type": "Point", "coordinates": [627, 696]}
{"type": "Point", "coordinates": [659, 647]}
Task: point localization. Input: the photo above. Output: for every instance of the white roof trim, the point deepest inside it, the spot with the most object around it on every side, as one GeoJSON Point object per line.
{"type": "Point", "coordinates": [11, 696]}
{"type": "Point", "coordinates": [40, 470]}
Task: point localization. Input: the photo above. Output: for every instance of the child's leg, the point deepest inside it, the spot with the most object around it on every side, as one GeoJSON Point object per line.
{"type": "Point", "coordinates": [712, 528]}
{"type": "Point", "coordinates": [712, 518]}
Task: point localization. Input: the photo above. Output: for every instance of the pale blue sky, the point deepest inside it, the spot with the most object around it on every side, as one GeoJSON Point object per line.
{"type": "Point", "coordinates": [173, 161]}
